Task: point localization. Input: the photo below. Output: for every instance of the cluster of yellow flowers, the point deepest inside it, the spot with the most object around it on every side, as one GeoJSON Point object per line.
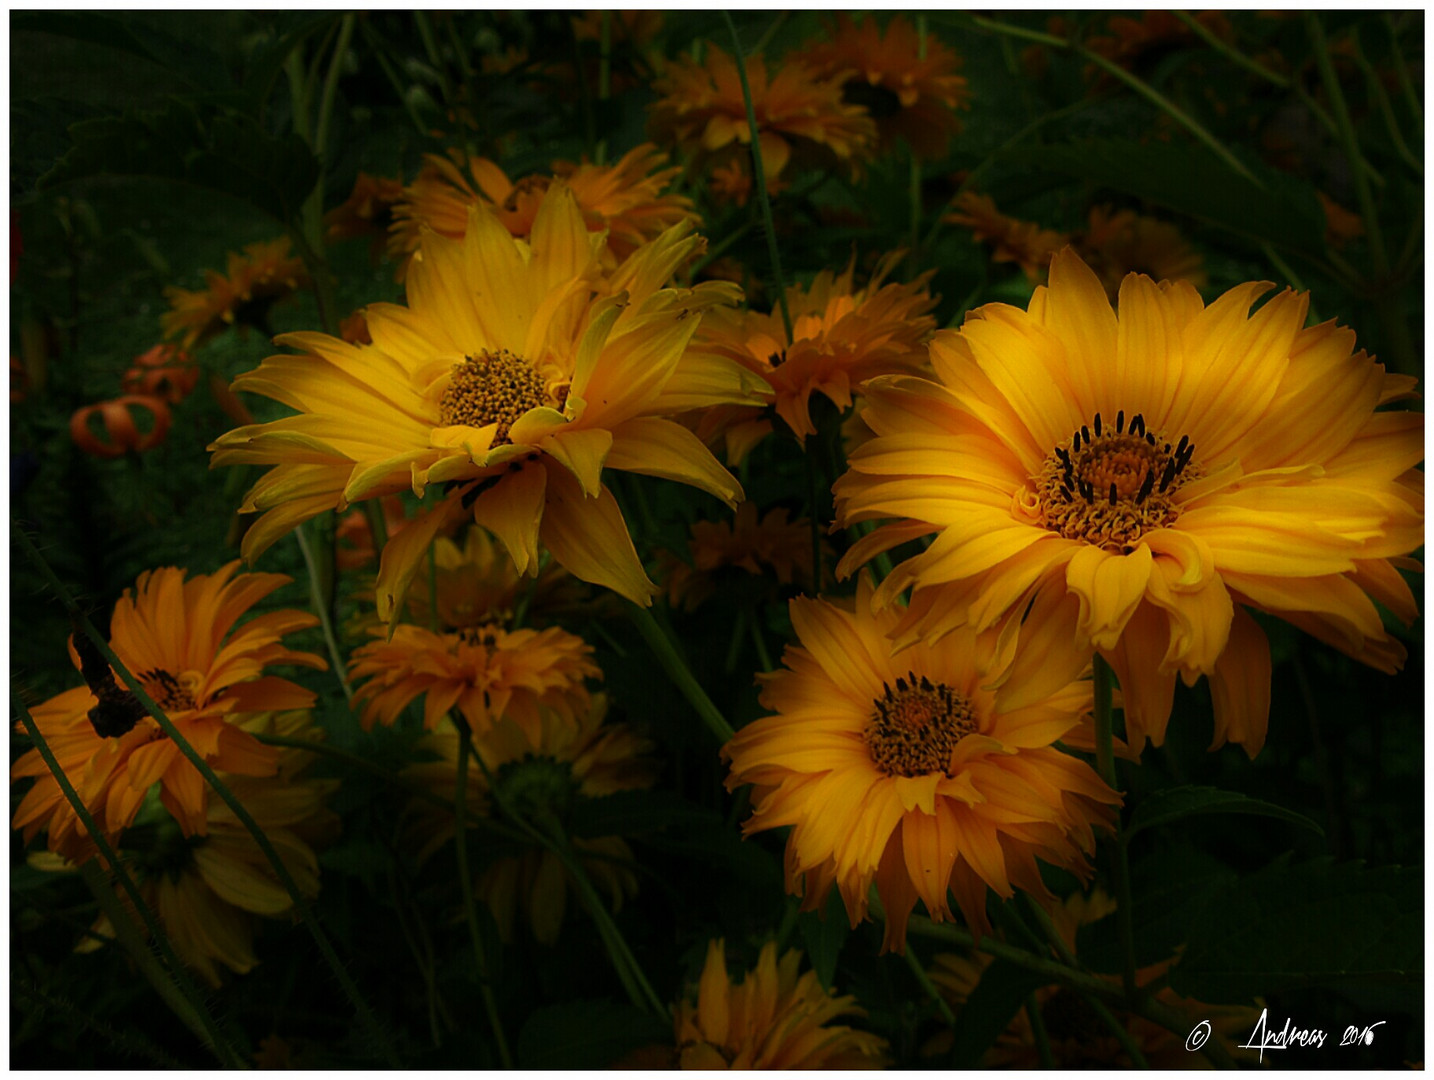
{"type": "Point", "coordinates": [1117, 474]}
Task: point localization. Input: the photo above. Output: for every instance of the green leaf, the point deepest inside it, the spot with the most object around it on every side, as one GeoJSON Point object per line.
{"type": "Point", "coordinates": [1170, 889]}
{"type": "Point", "coordinates": [1002, 991]}
{"type": "Point", "coordinates": [1190, 180]}
{"type": "Point", "coordinates": [1314, 924]}
{"type": "Point", "coordinates": [825, 932]}
{"type": "Point", "coordinates": [625, 813]}
{"type": "Point", "coordinates": [190, 60]}
{"type": "Point", "coordinates": [586, 1035]}
{"type": "Point", "coordinates": [229, 154]}
{"type": "Point", "coordinates": [1173, 804]}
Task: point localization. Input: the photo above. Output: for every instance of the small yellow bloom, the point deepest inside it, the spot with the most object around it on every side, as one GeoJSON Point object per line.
{"type": "Point", "coordinates": [262, 275]}
{"type": "Point", "coordinates": [774, 545]}
{"type": "Point", "coordinates": [1022, 242]}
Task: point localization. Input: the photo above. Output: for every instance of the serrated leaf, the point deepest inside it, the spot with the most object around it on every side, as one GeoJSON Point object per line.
{"type": "Point", "coordinates": [1313, 924]}
{"type": "Point", "coordinates": [624, 813]}
{"type": "Point", "coordinates": [1002, 991]}
{"type": "Point", "coordinates": [1191, 180]}
{"type": "Point", "coordinates": [824, 933]}
{"type": "Point", "coordinates": [586, 1035]}
{"type": "Point", "coordinates": [1174, 804]}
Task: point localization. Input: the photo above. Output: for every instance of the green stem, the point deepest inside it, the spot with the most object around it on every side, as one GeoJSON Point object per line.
{"type": "Point", "coordinates": [326, 623]}
{"type": "Point", "coordinates": [1386, 108]}
{"type": "Point", "coordinates": [430, 46]}
{"type": "Point", "coordinates": [604, 91]}
{"type": "Point", "coordinates": [331, 84]}
{"type": "Point", "coordinates": [1140, 86]}
{"type": "Point", "coordinates": [465, 883]}
{"type": "Point", "coordinates": [1229, 52]}
{"type": "Point", "coordinates": [763, 656]}
{"type": "Point", "coordinates": [1038, 1032]}
{"type": "Point", "coordinates": [1402, 73]}
{"type": "Point", "coordinates": [193, 1002]}
{"type": "Point", "coordinates": [1103, 677]}
{"type": "Point", "coordinates": [716, 251]}
{"type": "Point", "coordinates": [1121, 1033]}
{"type": "Point", "coordinates": [301, 904]}
{"type": "Point", "coordinates": [759, 178]}
{"type": "Point", "coordinates": [628, 971]}
{"type": "Point", "coordinates": [1367, 209]}
{"type": "Point", "coordinates": [377, 527]}
{"type": "Point", "coordinates": [379, 52]}
{"type": "Point", "coordinates": [681, 675]}
{"type": "Point", "coordinates": [767, 34]}
{"type": "Point", "coordinates": [928, 987]}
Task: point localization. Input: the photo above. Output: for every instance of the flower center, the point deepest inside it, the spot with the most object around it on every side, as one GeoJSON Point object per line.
{"type": "Point", "coordinates": [880, 101]}
{"type": "Point", "coordinates": [916, 726]}
{"type": "Point", "coordinates": [1110, 487]}
{"type": "Point", "coordinates": [170, 693]}
{"type": "Point", "coordinates": [492, 388]}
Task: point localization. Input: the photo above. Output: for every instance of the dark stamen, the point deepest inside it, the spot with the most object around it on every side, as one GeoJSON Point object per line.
{"type": "Point", "coordinates": [1120, 422]}
{"type": "Point", "coordinates": [1085, 432]}
{"type": "Point", "coordinates": [1097, 425]}
{"type": "Point", "coordinates": [1145, 487]}
{"type": "Point", "coordinates": [1150, 439]}
{"type": "Point", "coordinates": [1184, 442]}
{"type": "Point", "coordinates": [1065, 457]}
{"type": "Point", "coordinates": [1167, 475]}
{"type": "Point", "coordinates": [1113, 494]}
{"type": "Point", "coordinates": [1137, 421]}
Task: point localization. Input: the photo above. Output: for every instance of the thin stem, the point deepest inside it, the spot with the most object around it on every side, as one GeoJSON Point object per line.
{"type": "Point", "coordinates": [1038, 1032]}
{"type": "Point", "coordinates": [717, 250]}
{"type": "Point", "coordinates": [300, 902]}
{"type": "Point", "coordinates": [377, 527]}
{"type": "Point", "coordinates": [1367, 209]}
{"type": "Point", "coordinates": [1140, 86]}
{"type": "Point", "coordinates": [759, 177]}
{"type": "Point", "coordinates": [928, 987]}
{"type": "Point", "coordinates": [465, 884]}
{"type": "Point", "coordinates": [379, 52]}
{"type": "Point", "coordinates": [768, 33]}
{"type": "Point", "coordinates": [189, 993]}
{"type": "Point", "coordinates": [1402, 73]}
{"type": "Point", "coordinates": [1121, 1033]}
{"type": "Point", "coordinates": [331, 84]}
{"type": "Point", "coordinates": [1386, 108]}
{"type": "Point", "coordinates": [556, 841]}
{"type": "Point", "coordinates": [814, 491]}
{"type": "Point", "coordinates": [1103, 677]}
{"type": "Point", "coordinates": [761, 643]}
{"type": "Point", "coordinates": [1229, 52]}
{"type": "Point", "coordinates": [604, 90]}
{"type": "Point", "coordinates": [326, 624]}
{"type": "Point", "coordinates": [1055, 971]}
{"type": "Point", "coordinates": [681, 675]}
{"type": "Point", "coordinates": [914, 188]}
{"type": "Point", "coordinates": [430, 46]}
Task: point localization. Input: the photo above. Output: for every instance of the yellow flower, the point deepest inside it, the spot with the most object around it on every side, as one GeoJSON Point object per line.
{"type": "Point", "coordinates": [701, 108]}
{"type": "Point", "coordinates": [368, 211]}
{"type": "Point", "coordinates": [256, 279]}
{"type": "Point", "coordinates": [547, 764]}
{"type": "Point", "coordinates": [1078, 1037]}
{"type": "Point", "coordinates": [1142, 481]}
{"type": "Point", "coordinates": [484, 672]}
{"type": "Point", "coordinates": [624, 198]}
{"type": "Point", "coordinates": [911, 94]}
{"type": "Point", "coordinates": [205, 889]}
{"type": "Point", "coordinates": [841, 336]}
{"type": "Point", "coordinates": [772, 1019]}
{"type": "Point", "coordinates": [518, 372]}
{"type": "Point", "coordinates": [1022, 242]}
{"type": "Point", "coordinates": [1120, 242]}
{"type": "Point", "coordinates": [775, 545]}
{"type": "Point", "coordinates": [900, 767]}
{"type": "Point", "coordinates": [174, 636]}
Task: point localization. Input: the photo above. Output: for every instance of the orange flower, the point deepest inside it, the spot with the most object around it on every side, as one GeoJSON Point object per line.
{"type": "Point", "coordinates": [624, 198]}
{"type": "Point", "coordinates": [731, 182]}
{"type": "Point", "coordinates": [117, 417]}
{"type": "Point", "coordinates": [898, 767]}
{"type": "Point", "coordinates": [1131, 39]}
{"type": "Point", "coordinates": [264, 274]}
{"type": "Point", "coordinates": [841, 336]}
{"type": "Point", "coordinates": [174, 636]}
{"type": "Point", "coordinates": [485, 672]}
{"type": "Point", "coordinates": [908, 85]}
{"type": "Point", "coordinates": [1022, 242]}
{"type": "Point", "coordinates": [1120, 242]}
{"type": "Point", "coordinates": [701, 107]}
{"type": "Point", "coordinates": [164, 371]}
{"type": "Point", "coordinates": [1341, 226]}
{"type": "Point", "coordinates": [775, 545]}
{"type": "Point", "coordinates": [368, 211]}
{"type": "Point", "coordinates": [771, 1019]}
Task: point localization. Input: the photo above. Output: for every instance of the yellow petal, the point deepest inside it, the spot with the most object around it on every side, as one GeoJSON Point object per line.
{"type": "Point", "coordinates": [590, 539]}
{"type": "Point", "coordinates": [512, 509]}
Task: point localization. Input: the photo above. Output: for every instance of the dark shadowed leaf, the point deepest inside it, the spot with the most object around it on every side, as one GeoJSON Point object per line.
{"type": "Point", "coordinates": [1002, 991]}
{"type": "Point", "coordinates": [1174, 804]}
{"type": "Point", "coordinates": [824, 933]}
{"type": "Point", "coordinates": [586, 1035]}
